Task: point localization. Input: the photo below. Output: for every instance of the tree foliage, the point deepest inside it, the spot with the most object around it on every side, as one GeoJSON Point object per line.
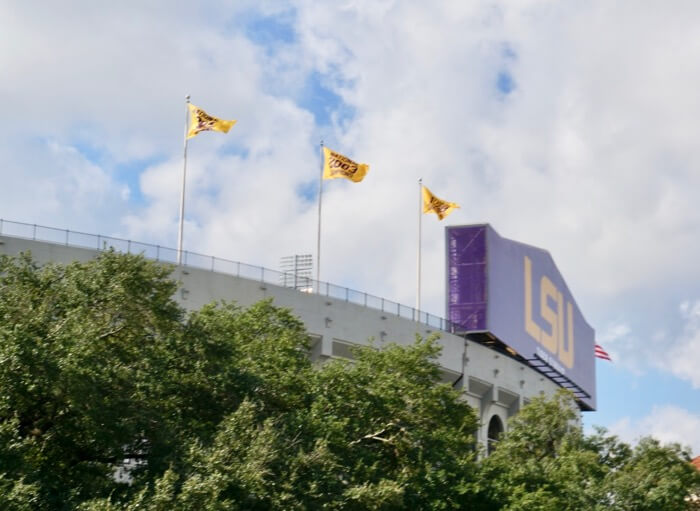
{"type": "Point", "coordinates": [545, 462]}
{"type": "Point", "coordinates": [221, 408]}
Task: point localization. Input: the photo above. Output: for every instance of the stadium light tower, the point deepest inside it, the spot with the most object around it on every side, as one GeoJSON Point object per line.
{"type": "Point", "coordinates": [297, 272]}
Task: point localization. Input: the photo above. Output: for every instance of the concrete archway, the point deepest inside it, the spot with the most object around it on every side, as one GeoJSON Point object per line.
{"type": "Point", "coordinates": [494, 432]}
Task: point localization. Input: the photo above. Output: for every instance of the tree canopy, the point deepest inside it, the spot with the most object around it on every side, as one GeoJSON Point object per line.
{"type": "Point", "coordinates": [112, 397]}
{"type": "Point", "coordinates": [545, 462]}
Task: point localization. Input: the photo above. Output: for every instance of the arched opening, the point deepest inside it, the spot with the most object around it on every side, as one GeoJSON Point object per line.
{"type": "Point", "coordinates": [494, 432]}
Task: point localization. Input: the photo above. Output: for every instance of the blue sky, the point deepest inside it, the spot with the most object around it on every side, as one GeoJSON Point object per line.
{"type": "Point", "coordinates": [570, 126]}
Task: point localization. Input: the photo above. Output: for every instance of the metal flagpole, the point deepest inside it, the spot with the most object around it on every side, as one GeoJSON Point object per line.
{"type": "Point", "coordinates": [318, 238]}
{"type": "Point", "coordinates": [184, 178]}
{"type": "Point", "coordinates": [420, 221]}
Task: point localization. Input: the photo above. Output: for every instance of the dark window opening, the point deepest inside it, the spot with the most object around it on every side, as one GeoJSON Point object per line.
{"type": "Point", "coordinates": [494, 432]}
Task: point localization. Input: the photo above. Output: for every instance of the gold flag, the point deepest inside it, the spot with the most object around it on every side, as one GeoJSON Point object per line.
{"type": "Point", "coordinates": [202, 121]}
{"type": "Point", "coordinates": [336, 165]}
{"type": "Point", "coordinates": [432, 204]}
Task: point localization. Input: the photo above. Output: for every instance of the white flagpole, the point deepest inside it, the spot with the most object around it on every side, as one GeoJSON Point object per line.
{"type": "Point", "coordinates": [420, 221]}
{"type": "Point", "coordinates": [318, 238]}
{"type": "Point", "coordinates": [184, 178]}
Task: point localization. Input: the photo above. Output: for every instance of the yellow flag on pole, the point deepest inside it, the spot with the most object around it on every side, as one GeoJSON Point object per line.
{"type": "Point", "coordinates": [336, 165]}
{"type": "Point", "coordinates": [432, 204]}
{"type": "Point", "coordinates": [202, 121]}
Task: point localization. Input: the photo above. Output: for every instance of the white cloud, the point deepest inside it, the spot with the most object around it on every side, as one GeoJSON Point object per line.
{"type": "Point", "coordinates": [683, 358]}
{"type": "Point", "coordinates": [110, 81]}
{"type": "Point", "coordinates": [677, 353]}
{"type": "Point", "coordinates": [51, 183]}
{"type": "Point", "coordinates": [592, 155]}
{"type": "Point", "coordinates": [582, 158]}
{"type": "Point", "coordinates": [665, 423]}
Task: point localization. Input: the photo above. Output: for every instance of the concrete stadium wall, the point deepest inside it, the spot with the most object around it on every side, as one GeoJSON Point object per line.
{"type": "Point", "coordinates": [492, 383]}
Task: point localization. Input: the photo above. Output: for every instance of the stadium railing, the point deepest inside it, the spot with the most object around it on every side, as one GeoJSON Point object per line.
{"type": "Point", "coordinates": [168, 255]}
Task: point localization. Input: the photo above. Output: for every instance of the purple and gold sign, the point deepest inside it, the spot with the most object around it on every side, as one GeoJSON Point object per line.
{"type": "Point", "coordinates": [515, 292]}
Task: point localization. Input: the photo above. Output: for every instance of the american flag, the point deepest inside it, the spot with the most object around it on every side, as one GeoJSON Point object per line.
{"type": "Point", "coordinates": [601, 353]}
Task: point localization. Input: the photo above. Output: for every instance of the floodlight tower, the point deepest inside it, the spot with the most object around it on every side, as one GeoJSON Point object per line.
{"type": "Point", "coordinates": [297, 272]}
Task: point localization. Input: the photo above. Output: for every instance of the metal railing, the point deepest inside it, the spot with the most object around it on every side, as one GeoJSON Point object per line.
{"type": "Point", "coordinates": [215, 264]}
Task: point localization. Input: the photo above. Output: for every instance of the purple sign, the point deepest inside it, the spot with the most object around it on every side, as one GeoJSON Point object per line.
{"type": "Point", "coordinates": [515, 292]}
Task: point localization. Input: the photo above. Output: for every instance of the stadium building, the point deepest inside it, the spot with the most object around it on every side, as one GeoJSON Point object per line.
{"type": "Point", "coordinates": [513, 329]}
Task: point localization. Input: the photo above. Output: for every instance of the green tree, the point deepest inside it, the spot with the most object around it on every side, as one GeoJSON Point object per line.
{"type": "Point", "coordinates": [218, 409]}
{"type": "Point", "coordinates": [82, 349]}
{"type": "Point", "coordinates": [376, 433]}
{"type": "Point", "coordinates": [221, 408]}
{"type": "Point", "coordinates": [654, 477]}
{"type": "Point", "coordinates": [544, 462]}
{"type": "Point", "coordinates": [404, 441]}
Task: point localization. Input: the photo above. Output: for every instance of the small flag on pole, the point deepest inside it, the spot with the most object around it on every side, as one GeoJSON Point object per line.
{"type": "Point", "coordinates": [335, 165]}
{"type": "Point", "coordinates": [601, 353]}
{"type": "Point", "coordinates": [202, 121]}
{"type": "Point", "coordinates": [432, 204]}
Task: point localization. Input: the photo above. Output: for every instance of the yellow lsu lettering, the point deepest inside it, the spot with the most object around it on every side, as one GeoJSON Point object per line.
{"type": "Point", "coordinates": [552, 338]}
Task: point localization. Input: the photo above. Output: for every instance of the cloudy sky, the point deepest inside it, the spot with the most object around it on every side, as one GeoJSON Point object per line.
{"type": "Point", "coordinates": [567, 125]}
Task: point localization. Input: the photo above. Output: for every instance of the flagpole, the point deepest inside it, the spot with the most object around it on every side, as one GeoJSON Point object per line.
{"type": "Point", "coordinates": [184, 178]}
{"type": "Point", "coordinates": [420, 222]}
{"type": "Point", "coordinates": [318, 237]}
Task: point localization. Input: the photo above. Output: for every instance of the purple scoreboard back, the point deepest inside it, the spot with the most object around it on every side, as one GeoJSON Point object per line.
{"type": "Point", "coordinates": [515, 292]}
